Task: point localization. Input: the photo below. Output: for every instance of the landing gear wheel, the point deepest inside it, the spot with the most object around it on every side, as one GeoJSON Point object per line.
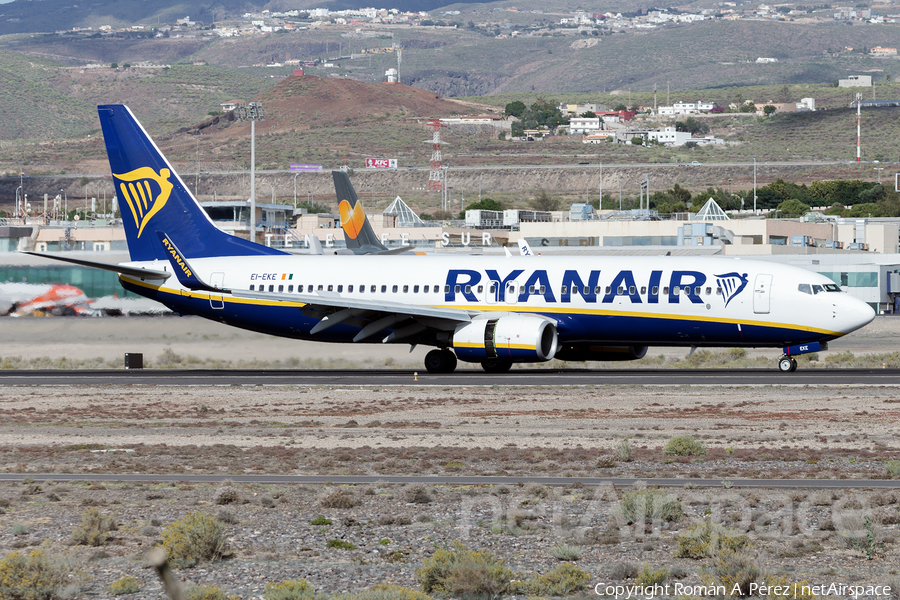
{"type": "Point", "coordinates": [793, 364]}
{"type": "Point", "coordinates": [786, 364]}
{"type": "Point", "coordinates": [440, 361]}
{"type": "Point", "coordinates": [496, 366]}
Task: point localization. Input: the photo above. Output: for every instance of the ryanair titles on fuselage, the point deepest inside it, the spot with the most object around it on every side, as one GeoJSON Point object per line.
{"type": "Point", "coordinates": [687, 284]}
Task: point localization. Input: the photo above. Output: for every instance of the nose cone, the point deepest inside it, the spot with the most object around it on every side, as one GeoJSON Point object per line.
{"type": "Point", "coordinates": [853, 313]}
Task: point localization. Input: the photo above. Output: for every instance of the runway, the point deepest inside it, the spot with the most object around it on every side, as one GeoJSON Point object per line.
{"type": "Point", "coordinates": [463, 480]}
{"type": "Point", "coordinates": [461, 378]}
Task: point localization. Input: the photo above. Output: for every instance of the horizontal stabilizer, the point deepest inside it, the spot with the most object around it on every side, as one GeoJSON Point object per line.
{"type": "Point", "coordinates": [131, 271]}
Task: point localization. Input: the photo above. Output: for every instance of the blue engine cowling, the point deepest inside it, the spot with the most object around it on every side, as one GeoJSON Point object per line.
{"type": "Point", "coordinates": [516, 338]}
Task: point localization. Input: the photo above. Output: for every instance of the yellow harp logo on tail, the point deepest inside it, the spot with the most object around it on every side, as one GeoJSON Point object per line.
{"type": "Point", "coordinates": [146, 192]}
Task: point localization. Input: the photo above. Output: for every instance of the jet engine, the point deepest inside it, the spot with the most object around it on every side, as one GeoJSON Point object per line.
{"type": "Point", "coordinates": [512, 338]}
{"type": "Point", "coordinates": [597, 352]}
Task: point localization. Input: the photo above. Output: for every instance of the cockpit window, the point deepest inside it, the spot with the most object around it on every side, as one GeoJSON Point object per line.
{"type": "Point", "coordinates": [805, 288]}
{"type": "Point", "coordinates": [817, 289]}
{"type": "Point", "coordinates": [832, 287]}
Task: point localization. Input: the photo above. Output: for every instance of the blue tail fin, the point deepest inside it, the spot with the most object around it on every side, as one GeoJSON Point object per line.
{"type": "Point", "coordinates": [149, 190]}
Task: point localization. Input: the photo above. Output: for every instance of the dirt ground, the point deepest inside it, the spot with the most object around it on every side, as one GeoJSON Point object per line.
{"type": "Point", "coordinates": [825, 432]}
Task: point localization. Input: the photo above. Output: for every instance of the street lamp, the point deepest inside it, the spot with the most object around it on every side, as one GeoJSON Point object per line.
{"type": "Point", "coordinates": [253, 112]}
{"type": "Point", "coordinates": [18, 189]}
{"type": "Point", "coordinates": [295, 190]}
{"type": "Point", "coordinates": [879, 169]}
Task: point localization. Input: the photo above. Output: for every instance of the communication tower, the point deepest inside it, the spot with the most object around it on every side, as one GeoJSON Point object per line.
{"type": "Point", "coordinates": [436, 176]}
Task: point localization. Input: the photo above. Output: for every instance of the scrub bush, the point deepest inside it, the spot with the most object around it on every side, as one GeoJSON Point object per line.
{"type": "Point", "coordinates": [124, 585]}
{"type": "Point", "coordinates": [208, 592]}
{"type": "Point", "coordinates": [707, 539]}
{"type": "Point", "coordinates": [292, 589]}
{"type": "Point", "coordinates": [463, 572]}
{"type": "Point", "coordinates": [338, 498]}
{"type": "Point", "coordinates": [95, 528]}
{"type": "Point", "coordinates": [564, 580]}
{"type": "Point", "coordinates": [38, 575]}
{"type": "Point", "coordinates": [386, 591]}
{"type": "Point", "coordinates": [194, 538]}
{"type": "Point", "coordinates": [565, 552]}
{"type": "Point", "coordinates": [733, 569]}
{"type": "Point", "coordinates": [342, 544]}
{"type": "Point", "coordinates": [684, 445]}
{"type": "Point", "coordinates": [649, 577]}
{"type": "Point", "coordinates": [651, 504]}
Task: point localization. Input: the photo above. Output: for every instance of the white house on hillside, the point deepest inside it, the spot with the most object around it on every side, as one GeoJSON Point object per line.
{"type": "Point", "coordinates": [687, 108]}
{"type": "Point", "coordinates": [584, 125]}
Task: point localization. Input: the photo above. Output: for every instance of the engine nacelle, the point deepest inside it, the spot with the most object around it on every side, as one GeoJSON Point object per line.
{"type": "Point", "coordinates": [606, 353]}
{"type": "Point", "coordinates": [516, 338]}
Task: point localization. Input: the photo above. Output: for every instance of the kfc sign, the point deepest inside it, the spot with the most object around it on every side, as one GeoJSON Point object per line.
{"type": "Point", "coordinates": [381, 163]}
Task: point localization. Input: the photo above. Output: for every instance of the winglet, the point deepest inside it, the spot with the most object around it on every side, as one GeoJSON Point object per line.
{"type": "Point", "coordinates": [524, 248]}
{"type": "Point", "coordinates": [182, 268]}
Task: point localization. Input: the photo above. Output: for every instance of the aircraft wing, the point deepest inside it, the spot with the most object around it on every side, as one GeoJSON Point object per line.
{"type": "Point", "coordinates": [371, 316]}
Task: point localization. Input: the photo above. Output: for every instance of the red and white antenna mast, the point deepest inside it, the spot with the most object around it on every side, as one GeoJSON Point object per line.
{"type": "Point", "coordinates": [858, 105]}
{"type": "Point", "coordinates": [436, 176]}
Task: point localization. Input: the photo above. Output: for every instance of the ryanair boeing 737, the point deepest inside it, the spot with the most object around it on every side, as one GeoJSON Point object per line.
{"type": "Point", "coordinates": [492, 310]}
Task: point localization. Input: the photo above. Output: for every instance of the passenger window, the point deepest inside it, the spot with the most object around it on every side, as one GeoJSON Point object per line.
{"type": "Point", "coordinates": [708, 291]}
{"type": "Point", "coordinates": [340, 288]}
{"type": "Point", "coordinates": [271, 288]}
{"type": "Point", "coordinates": [643, 290]}
{"type": "Point", "coordinates": [251, 287]}
{"type": "Point", "coordinates": [676, 290]}
{"type": "Point", "coordinates": [280, 288]}
{"type": "Point", "coordinates": [319, 288]}
{"type": "Point", "coordinates": [468, 289]}
{"type": "Point", "coordinates": [447, 289]}
{"type": "Point", "coordinates": [621, 290]}
{"type": "Point", "coordinates": [405, 289]}
{"type": "Point", "coordinates": [718, 291]}
{"type": "Point", "coordinates": [362, 289]}
{"type": "Point", "coordinates": [456, 289]}
{"type": "Point", "coordinates": [383, 289]}
{"type": "Point", "coordinates": [631, 290]}
{"type": "Point", "coordinates": [394, 289]}
{"type": "Point", "coordinates": [373, 288]}
{"type": "Point", "coordinates": [290, 289]}
{"type": "Point", "coordinates": [597, 289]}
{"type": "Point", "coordinates": [608, 289]}
{"type": "Point", "coordinates": [415, 289]}
{"type": "Point", "coordinates": [331, 287]}
{"type": "Point", "coordinates": [425, 289]}
{"type": "Point", "coordinates": [805, 288]}
{"type": "Point", "coordinates": [521, 289]}
{"type": "Point", "coordinates": [655, 290]}
{"type": "Point", "coordinates": [492, 289]}
{"type": "Point", "coordinates": [817, 289]}
{"type": "Point", "coordinates": [350, 289]}
{"type": "Point", "coordinates": [564, 289]}
{"type": "Point", "coordinates": [530, 289]}
{"type": "Point", "coordinates": [665, 291]}
{"type": "Point", "coordinates": [480, 288]}
{"type": "Point", "coordinates": [543, 289]}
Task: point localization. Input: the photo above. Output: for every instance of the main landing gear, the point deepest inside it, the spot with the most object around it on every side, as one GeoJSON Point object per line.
{"type": "Point", "coordinates": [440, 361]}
{"type": "Point", "coordinates": [787, 364]}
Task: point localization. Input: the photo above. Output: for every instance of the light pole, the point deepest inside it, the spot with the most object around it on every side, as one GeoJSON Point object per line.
{"type": "Point", "coordinates": [253, 112]}
{"type": "Point", "coordinates": [879, 169]}
{"type": "Point", "coordinates": [65, 203]}
{"type": "Point", "coordinates": [18, 189]}
{"type": "Point", "coordinates": [295, 190]}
